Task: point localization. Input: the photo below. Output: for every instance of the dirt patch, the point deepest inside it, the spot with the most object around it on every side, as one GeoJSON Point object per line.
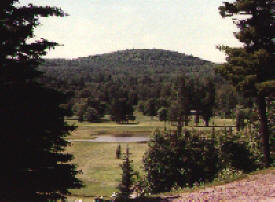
{"type": "Point", "coordinates": [260, 187]}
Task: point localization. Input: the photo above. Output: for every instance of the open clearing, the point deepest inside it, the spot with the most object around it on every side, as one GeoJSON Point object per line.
{"type": "Point", "coordinates": [100, 168]}
{"type": "Point", "coordinates": [144, 126]}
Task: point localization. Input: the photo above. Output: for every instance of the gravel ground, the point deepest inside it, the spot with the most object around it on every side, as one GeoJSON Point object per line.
{"type": "Point", "coordinates": [259, 187]}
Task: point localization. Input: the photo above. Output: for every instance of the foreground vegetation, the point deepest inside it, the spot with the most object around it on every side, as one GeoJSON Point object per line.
{"type": "Point", "coordinates": [101, 172]}
{"type": "Point", "coordinates": [100, 169]}
{"type": "Point", "coordinates": [33, 131]}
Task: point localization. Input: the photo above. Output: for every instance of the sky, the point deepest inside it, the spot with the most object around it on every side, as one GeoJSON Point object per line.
{"type": "Point", "coordinates": [192, 27]}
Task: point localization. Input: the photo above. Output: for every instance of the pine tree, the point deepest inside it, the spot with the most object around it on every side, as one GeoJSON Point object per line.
{"type": "Point", "coordinates": [118, 151]}
{"type": "Point", "coordinates": [125, 187]}
{"type": "Point", "coordinates": [251, 67]}
{"type": "Point", "coordinates": [34, 166]}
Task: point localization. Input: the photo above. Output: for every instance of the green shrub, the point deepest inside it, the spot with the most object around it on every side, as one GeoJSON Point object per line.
{"type": "Point", "coordinates": [239, 152]}
{"type": "Point", "coordinates": [183, 160]}
{"type": "Point", "coordinates": [179, 159]}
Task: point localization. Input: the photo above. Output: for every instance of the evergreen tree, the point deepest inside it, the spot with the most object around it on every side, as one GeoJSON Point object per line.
{"type": "Point", "coordinates": [118, 151]}
{"type": "Point", "coordinates": [34, 165]}
{"type": "Point", "coordinates": [250, 68]}
{"type": "Point", "coordinates": [125, 187]}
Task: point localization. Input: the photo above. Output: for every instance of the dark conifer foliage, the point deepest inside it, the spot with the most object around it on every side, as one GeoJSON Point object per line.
{"type": "Point", "coordinates": [32, 127]}
{"type": "Point", "coordinates": [251, 67]}
{"type": "Point", "coordinates": [125, 187]}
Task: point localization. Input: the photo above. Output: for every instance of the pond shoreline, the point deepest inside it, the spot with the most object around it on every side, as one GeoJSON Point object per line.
{"type": "Point", "coordinates": [112, 139]}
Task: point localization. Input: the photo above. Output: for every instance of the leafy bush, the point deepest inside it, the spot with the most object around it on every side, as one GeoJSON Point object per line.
{"type": "Point", "coordinates": [235, 153]}
{"type": "Point", "coordinates": [179, 159]}
{"type": "Point", "coordinates": [191, 158]}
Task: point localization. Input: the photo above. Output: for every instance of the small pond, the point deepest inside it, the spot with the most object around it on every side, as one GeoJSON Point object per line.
{"type": "Point", "coordinates": [113, 139]}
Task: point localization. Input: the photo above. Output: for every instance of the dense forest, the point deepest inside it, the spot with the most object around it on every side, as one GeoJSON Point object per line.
{"type": "Point", "coordinates": [145, 80]}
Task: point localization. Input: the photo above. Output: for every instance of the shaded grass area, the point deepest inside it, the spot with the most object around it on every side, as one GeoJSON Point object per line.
{"type": "Point", "coordinates": [100, 168]}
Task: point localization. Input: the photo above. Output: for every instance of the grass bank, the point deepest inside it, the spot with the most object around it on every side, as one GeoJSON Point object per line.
{"type": "Point", "coordinates": [100, 168]}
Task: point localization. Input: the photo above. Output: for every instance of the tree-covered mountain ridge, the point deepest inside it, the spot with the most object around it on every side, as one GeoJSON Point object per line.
{"type": "Point", "coordinates": [137, 58]}
{"type": "Point", "coordinates": [148, 79]}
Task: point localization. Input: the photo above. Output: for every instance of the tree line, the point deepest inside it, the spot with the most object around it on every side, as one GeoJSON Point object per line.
{"type": "Point", "coordinates": [145, 80]}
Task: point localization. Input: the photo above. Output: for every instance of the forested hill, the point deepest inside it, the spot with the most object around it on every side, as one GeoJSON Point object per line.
{"type": "Point", "coordinates": [136, 59]}
{"type": "Point", "coordinates": [138, 77]}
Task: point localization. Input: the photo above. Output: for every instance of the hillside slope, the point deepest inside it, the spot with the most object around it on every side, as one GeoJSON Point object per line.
{"type": "Point", "coordinates": [134, 58]}
{"type": "Point", "coordinates": [256, 187]}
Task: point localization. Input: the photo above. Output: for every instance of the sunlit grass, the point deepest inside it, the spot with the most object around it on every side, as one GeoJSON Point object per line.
{"type": "Point", "coordinates": [101, 171]}
{"type": "Point", "coordinates": [143, 126]}
{"type": "Point", "coordinates": [100, 168]}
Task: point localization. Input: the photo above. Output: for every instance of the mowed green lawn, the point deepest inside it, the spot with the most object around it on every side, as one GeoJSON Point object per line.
{"type": "Point", "coordinates": [143, 126]}
{"type": "Point", "coordinates": [100, 169]}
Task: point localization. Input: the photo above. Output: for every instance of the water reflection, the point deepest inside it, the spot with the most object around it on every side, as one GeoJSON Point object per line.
{"type": "Point", "coordinates": [113, 139]}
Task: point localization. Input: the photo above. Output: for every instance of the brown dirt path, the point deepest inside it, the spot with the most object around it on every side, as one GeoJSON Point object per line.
{"type": "Point", "coordinates": [259, 187]}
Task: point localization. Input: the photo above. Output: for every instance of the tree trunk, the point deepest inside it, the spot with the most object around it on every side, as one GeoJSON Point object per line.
{"type": "Point", "coordinates": [238, 127]}
{"type": "Point", "coordinates": [263, 129]}
{"type": "Point", "coordinates": [186, 120]}
{"type": "Point", "coordinates": [197, 119]}
{"type": "Point", "coordinates": [179, 127]}
{"type": "Point", "coordinates": [206, 122]}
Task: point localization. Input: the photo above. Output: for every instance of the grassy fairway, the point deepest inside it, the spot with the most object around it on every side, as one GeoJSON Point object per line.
{"type": "Point", "coordinates": [101, 171]}
{"type": "Point", "coordinates": [143, 126]}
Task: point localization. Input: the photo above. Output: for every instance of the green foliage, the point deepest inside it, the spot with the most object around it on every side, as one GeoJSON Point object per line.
{"type": "Point", "coordinates": [226, 100]}
{"type": "Point", "coordinates": [174, 160]}
{"type": "Point", "coordinates": [125, 187]}
{"type": "Point", "coordinates": [235, 153]}
{"type": "Point", "coordinates": [151, 107]}
{"type": "Point", "coordinates": [163, 114]}
{"type": "Point", "coordinates": [118, 151]}
{"type": "Point", "coordinates": [91, 114]}
{"type": "Point", "coordinates": [250, 68]}
{"type": "Point", "coordinates": [122, 110]}
{"type": "Point", "coordinates": [151, 74]}
{"type": "Point", "coordinates": [34, 165]}
{"type": "Point", "coordinates": [119, 75]}
{"type": "Point", "coordinates": [179, 159]}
